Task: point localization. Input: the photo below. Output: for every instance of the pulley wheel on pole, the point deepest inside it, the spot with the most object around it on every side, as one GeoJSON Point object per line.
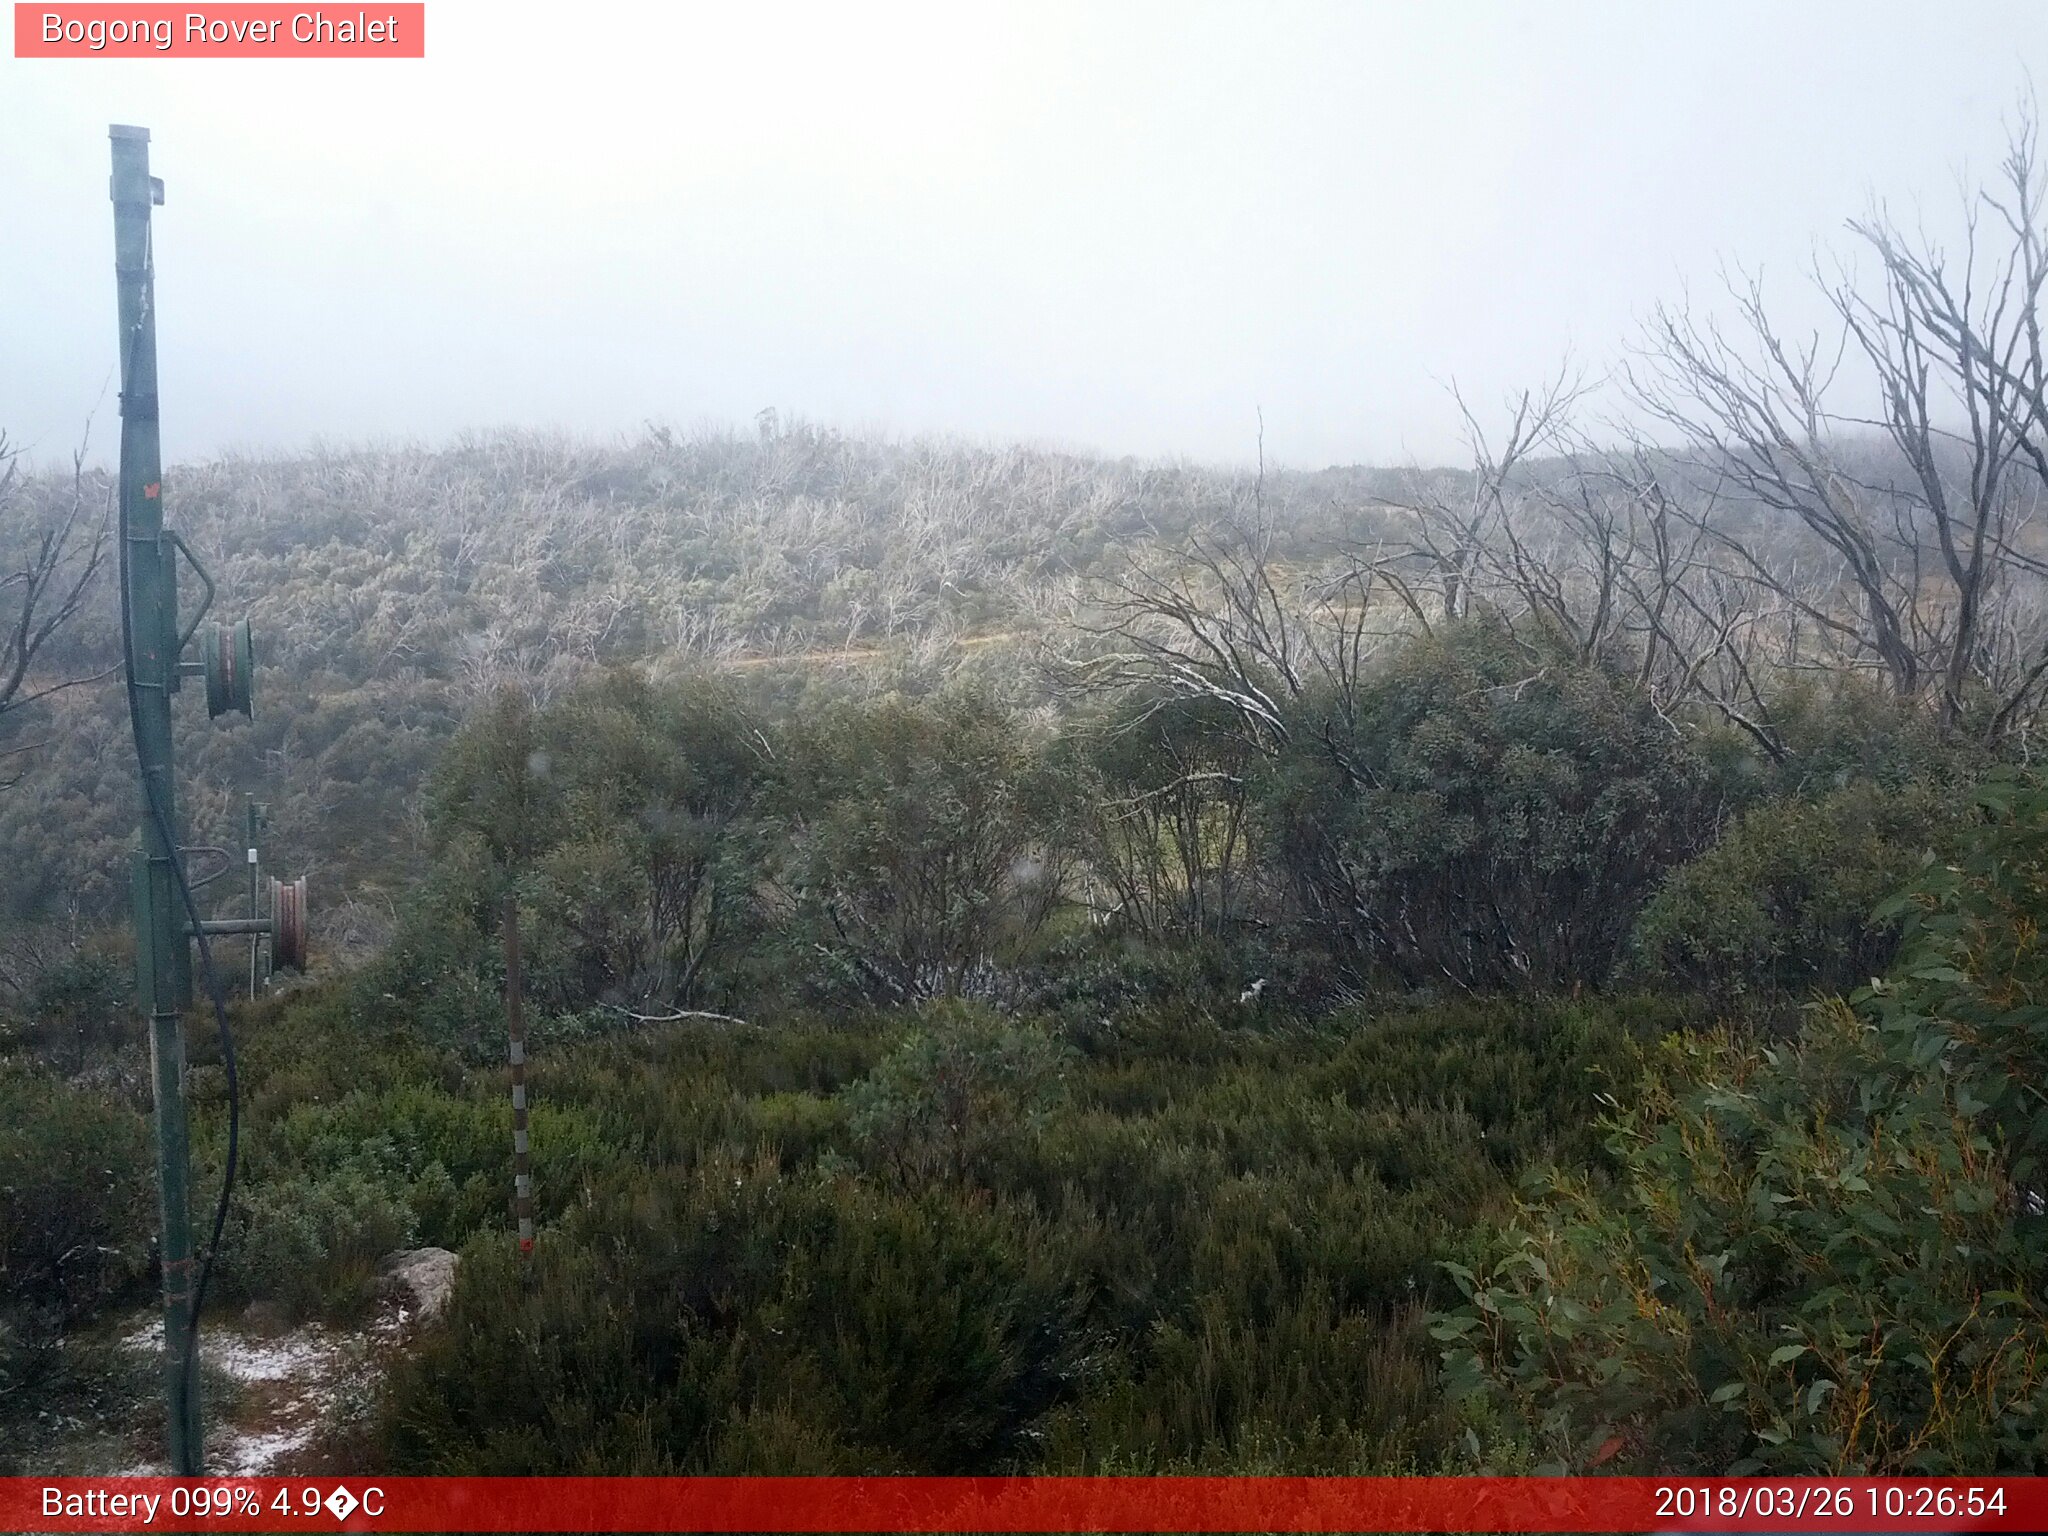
{"type": "Point", "coordinates": [230, 663]}
{"type": "Point", "coordinates": [288, 942]}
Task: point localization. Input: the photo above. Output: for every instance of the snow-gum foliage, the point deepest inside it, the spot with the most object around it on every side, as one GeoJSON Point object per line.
{"type": "Point", "coordinates": [1823, 1257]}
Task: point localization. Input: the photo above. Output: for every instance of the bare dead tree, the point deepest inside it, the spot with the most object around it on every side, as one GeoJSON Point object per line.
{"type": "Point", "coordinates": [1753, 415]}
{"type": "Point", "coordinates": [1599, 550]}
{"type": "Point", "coordinates": [1172, 853]}
{"type": "Point", "coordinates": [1653, 597]}
{"type": "Point", "coordinates": [1455, 537]}
{"type": "Point", "coordinates": [1913, 553]}
{"type": "Point", "coordinates": [1955, 346]}
{"type": "Point", "coordinates": [1212, 625]}
{"type": "Point", "coordinates": [55, 543]}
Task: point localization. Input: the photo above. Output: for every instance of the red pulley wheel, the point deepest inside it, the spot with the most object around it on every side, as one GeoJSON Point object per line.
{"type": "Point", "coordinates": [288, 924]}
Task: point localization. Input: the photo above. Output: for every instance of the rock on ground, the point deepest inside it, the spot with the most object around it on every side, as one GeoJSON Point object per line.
{"type": "Point", "coordinates": [422, 1278]}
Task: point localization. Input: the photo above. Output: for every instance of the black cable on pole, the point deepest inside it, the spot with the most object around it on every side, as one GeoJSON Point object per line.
{"type": "Point", "coordinates": [188, 1368]}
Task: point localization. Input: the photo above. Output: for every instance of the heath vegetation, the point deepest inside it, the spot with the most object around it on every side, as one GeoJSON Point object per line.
{"type": "Point", "coordinates": [1047, 964]}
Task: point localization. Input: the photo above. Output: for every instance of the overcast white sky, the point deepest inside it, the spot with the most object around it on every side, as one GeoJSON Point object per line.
{"type": "Point", "coordinates": [1116, 226]}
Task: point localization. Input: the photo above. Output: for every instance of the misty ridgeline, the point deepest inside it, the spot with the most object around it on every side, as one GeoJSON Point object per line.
{"type": "Point", "coordinates": [1052, 964]}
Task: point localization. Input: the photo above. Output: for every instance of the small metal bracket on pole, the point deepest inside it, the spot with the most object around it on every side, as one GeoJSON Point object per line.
{"type": "Point", "coordinates": [254, 816]}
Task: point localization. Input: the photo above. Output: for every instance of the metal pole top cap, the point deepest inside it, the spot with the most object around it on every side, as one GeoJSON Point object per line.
{"type": "Point", "coordinates": [120, 131]}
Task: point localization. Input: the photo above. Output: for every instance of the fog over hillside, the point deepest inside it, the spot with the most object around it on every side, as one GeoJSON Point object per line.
{"type": "Point", "coordinates": [1117, 229]}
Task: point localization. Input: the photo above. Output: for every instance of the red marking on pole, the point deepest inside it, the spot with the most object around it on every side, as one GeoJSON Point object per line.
{"type": "Point", "coordinates": [150, 490]}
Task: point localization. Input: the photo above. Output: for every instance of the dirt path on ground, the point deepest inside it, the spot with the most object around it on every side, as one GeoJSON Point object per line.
{"type": "Point", "coordinates": [857, 653]}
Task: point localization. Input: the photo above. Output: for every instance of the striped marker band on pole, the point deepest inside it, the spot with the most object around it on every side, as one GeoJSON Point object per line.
{"type": "Point", "coordinates": [515, 1024]}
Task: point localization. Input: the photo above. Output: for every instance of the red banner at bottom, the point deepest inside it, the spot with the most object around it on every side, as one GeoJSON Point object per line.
{"type": "Point", "coordinates": [849, 1504]}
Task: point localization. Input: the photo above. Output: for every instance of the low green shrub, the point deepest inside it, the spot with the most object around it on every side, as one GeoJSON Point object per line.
{"type": "Point", "coordinates": [880, 1330]}
{"type": "Point", "coordinates": [1820, 1258]}
{"type": "Point", "coordinates": [941, 1240]}
{"type": "Point", "coordinates": [312, 1245]}
{"type": "Point", "coordinates": [1786, 901]}
{"type": "Point", "coordinates": [80, 1009]}
{"type": "Point", "coordinates": [76, 1194]}
{"type": "Point", "coordinates": [922, 840]}
{"type": "Point", "coordinates": [1811, 1266]}
{"type": "Point", "coordinates": [962, 1081]}
{"type": "Point", "coordinates": [1485, 810]}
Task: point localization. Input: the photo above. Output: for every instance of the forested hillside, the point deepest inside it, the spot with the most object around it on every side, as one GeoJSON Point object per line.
{"type": "Point", "coordinates": [392, 590]}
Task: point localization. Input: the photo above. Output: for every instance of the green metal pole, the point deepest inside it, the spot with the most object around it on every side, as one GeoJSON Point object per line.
{"type": "Point", "coordinates": [161, 966]}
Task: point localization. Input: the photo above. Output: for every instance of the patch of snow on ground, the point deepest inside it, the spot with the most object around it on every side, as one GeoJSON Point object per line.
{"type": "Point", "coordinates": [233, 1454]}
{"type": "Point", "coordinates": [300, 1353]}
{"type": "Point", "coordinates": [297, 1372]}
